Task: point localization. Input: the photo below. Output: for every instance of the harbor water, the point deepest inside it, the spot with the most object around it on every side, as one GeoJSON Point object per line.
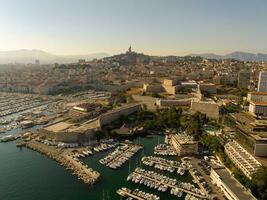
{"type": "Point", "coordinates": [28, 175]}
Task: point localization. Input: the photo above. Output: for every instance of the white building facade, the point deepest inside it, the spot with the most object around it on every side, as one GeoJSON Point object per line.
{"type": "Point", "coordinates": [241, 158]}
{"type": "Point", "coordinates": [262, 84]}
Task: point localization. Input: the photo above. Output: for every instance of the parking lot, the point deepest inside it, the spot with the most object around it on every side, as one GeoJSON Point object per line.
{"type": "Point", "coordinates": [203, 169]}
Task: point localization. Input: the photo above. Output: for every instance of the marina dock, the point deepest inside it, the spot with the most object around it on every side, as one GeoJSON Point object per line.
{"type": "Point", "coordinates": [165, 184]}
{"type": "Point", "coordinates": [164, 150]}
{"type": "Point", "coordinates": [125, 193]}
{"type": "Point", "coordinates": [165, 164]}
{"type": "Point", "coordinates": [82, 171]}
{"type": "Point", "coordinates": [120, 155]}
{"type": "Point", "coordinates": [197, 181]}
{"type": "Point", "coordinates": [152, 160]}
{"type": "Point", "coordinates": [138, 195]}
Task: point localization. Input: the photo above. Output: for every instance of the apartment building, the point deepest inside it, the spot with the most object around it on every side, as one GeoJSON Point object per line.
{"type": "Point", "coordinates": [243, 79]}
{"type": "Point", "coordinates": [258, 108]}
{"type": "Point", "coordinates": [262, 84]}
{"type": "Point", "coordinates": [184, 144]}
{"type": "Point", "coordinates": [241, 158]}
{"type": "Point", "coordinates": [231, 188]}
{"type": "Point", "coordinates": [257, 96]}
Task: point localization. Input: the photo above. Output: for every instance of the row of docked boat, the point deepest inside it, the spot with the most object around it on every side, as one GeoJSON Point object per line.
{"type": "Point", "coordinates": [190, 187]}
{"type": "Point", "coordinates": [8, 138]}
{"type": "Point", "coordinates": [151, 179]}
{"type": "Point", "coordinates": [164, 149]}
{"type": "Point", "coordinates": [126, 192]}
{"type": "Point", "coordinates": [161, 163]}
{"type": "Point", "coordinates": [120, 155]}
{"type": "Point", "coordinates": [176, 191]}
{"type": "Point", "coordinates": [22, 107]}
{"type": "Point", "coordinates": [8, 127]}
{"type": "Point", "coordinates": [181, 171]}
{"type": "Point", "coordinates": [147, 196]}
{"type": "Point", "coordinates": [81, 154]}
{"type": "Point", "coordinates": [4, 121]}
{"type": "Point", "coordinates": [13, 101]}
{"type": "Point", "coordinates": [162, 183]}
{"type": "Point", "coordinates": [104, 147]}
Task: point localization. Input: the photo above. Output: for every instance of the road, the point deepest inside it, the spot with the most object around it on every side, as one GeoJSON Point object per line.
{"type": "Point", "coordinates": [214, 189]}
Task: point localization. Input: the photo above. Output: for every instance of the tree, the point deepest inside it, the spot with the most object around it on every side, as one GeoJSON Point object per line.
{"type": "Point", "coordinates": [149, 125]}
{"type": "Point", "coordinates": [144, 106]}
{"type": "Point", "coordinates": [162, 119]}
{"type": "Point", "coordinates": [113, 134]}
{"type": "Point", "coordinates": [99, 135]}
{"type": "Point", "coordinates": [142, 113]}
{"type": "Point", "coordinates": [155, 95]}
{"type": "Point", "coordinates": [230, 108]}
{"type": "Point", "coordinates": [195, 125]}
{"type": "Point", "coordinates": [259, 183]}
{"type": "Point", "coordinates": [243, 92]}
{"type": "Point", "coordinates": [212, 142]}
{"type": "Point", "coordinates": [183, 120]}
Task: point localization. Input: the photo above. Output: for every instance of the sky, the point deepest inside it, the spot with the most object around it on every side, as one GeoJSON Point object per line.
{"type": "Point", "coordinates": [155, 27]}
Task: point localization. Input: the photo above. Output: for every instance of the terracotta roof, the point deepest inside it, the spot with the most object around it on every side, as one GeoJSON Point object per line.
{"type": "Point", "coordinates": [259, 93]}
{"type": "Point", "coordinates": [260, 103]}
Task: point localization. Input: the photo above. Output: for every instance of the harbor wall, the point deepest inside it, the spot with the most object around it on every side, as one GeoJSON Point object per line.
{"type": "Point", "coordinates": [170, 103]}
{"type": "Point", "coordinates": [69, 137]}
{"type": "Point", "coordinates": [208, 108]}
{"type": "Point", "coordinates": [113, 115]}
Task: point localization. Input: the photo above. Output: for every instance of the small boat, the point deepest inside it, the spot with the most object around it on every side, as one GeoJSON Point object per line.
{"type": "Point", "coordinates": [96, 149]}
{"type": "Point", "coordinates": [182, 171]}
{"type": "Point", "coordinates": [178, 170]}
{"type": "Point", "coordinates": [180, 194]}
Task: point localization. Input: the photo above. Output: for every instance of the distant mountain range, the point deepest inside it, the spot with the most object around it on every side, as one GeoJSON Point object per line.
{"type": "Point", "coordinates": [29, 56]}
{"type": "Point", "coordinates": [238, 55]}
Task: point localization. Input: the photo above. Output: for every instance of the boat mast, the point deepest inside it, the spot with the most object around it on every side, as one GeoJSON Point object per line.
{"type": "Point", "coordinates": [107, 195]}
{"type": "Point", "coordinates": [103, 197]}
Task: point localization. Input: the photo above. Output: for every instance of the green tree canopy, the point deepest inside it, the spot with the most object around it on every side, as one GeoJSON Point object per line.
{"type": "Point", "coordinates": [259, 183]}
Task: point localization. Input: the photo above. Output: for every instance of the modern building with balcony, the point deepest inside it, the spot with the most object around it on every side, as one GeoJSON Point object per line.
{"type": "Point", "coordinates": [184, 144]}
{"type": "Point", "coordinates": [231, 188]}
{"type": "Point", "coordinates": [241, 158]}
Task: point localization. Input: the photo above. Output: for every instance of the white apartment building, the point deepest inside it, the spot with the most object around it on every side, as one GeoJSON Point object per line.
{"type": "Point", "coordinates": [257, 97]}
{"type": "Point", "coordinates": [258, 108]}
{"type": "Point", "coordinates": [241, 158]}
{"type": "Point", "coordinates": [262, 84]}
{"type": "Point", "coordinates": [231, 188]}
{"type": "Point", "coordinates": [258, 103]}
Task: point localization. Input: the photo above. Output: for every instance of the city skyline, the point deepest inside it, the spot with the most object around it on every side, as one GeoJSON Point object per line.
{"type": "Point", "coordinates": [153, 27]}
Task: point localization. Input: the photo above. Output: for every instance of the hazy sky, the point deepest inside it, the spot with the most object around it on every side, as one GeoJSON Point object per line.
{"type": "Point", "coordinates": [158, 27]}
